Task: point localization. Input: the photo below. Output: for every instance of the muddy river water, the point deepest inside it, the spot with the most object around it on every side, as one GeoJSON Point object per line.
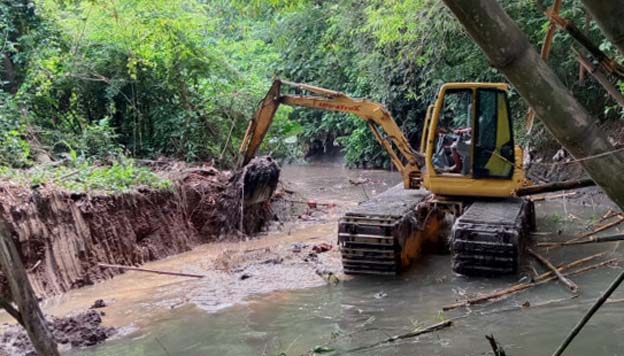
{"type": "Point", "coordinates": [272, 313]}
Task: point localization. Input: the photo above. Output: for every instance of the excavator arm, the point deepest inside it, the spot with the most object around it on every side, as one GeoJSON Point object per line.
{"type": "Point", "coordinates": [403, 156]}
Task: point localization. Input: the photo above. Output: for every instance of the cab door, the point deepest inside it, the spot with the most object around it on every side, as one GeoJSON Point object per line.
{"type": "Point", "coordinates": [493, 139]}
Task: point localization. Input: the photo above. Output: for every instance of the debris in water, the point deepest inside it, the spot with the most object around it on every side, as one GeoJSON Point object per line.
{"type": "Point", "coordinates": [322, 247]}
{"type": "Point", "coordinates": [273, 261]}
{"type": "Point", "coordinates": [359, 181]}
{"type": "Point", "coordinates": [328, 276]}
{"type": "Point", "coordinates": [380, 295]}
{"type": "Point", "coordinates": [83, 329]}
{"type": "Point", "coordinates": [297, 247]}
{"type": "Point", "coordinates": [100, 303]}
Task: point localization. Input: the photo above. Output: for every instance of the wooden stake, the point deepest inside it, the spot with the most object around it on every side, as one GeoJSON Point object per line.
{"type": "Point", "coordinates": [130, 268]}
{"type": "Point", "coordinates": [571, 285]}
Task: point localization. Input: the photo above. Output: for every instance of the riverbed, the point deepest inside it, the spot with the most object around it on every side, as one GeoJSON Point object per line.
{"type": "Point", "coordinates": [262, 297]}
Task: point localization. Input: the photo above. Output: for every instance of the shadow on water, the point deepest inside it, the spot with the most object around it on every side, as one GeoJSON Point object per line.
{"type": "Point", "coordinates": [364, 310]}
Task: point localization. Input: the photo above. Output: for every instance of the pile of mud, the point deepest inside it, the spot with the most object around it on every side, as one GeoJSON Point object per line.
{"type": "Point", "coordinates": [62, 236]}
{"type": "Point", "coordinates": [80, 330]}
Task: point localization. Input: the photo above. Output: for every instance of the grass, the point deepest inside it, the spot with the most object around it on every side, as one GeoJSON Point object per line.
{"type": "Point", "coordinates": [122, 175]}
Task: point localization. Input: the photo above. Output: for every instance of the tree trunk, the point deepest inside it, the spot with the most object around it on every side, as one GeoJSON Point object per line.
{"type": "Point", "coordinates": [608, 14]}
{"type": "Point", "coordinates": [31, 315]}
{"type": "Point", "coordinates": [509, 50]}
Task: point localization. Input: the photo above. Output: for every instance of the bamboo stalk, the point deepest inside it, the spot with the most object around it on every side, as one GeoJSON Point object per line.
{"type": "Point", "coordinates": [541, 279]}
{"type": "Point", "coordinates": [151, 270]}
{"type": "Point", "coordinates": [599, 302]}
{"type": "Point", "coordinates": [571, 285]}
{"type": "Point", "coordinates": [552, 196]}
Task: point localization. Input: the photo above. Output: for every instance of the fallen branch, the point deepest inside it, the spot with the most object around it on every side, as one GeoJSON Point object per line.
{"type": "Point", "coordinates": [604, 227]}
{"type": "Point", "coordinates": [551, 244]}
{"type": "Point", "coordinates": [571, 285]}
{"type": "Point", "coordinates": [541, 279]}
{"type": "Point", "coordinates": [599, 302]}
{"type": "Point", "coordinates": [590, 240]}
{"type": "Point", "coordinates": [429, 329]}
{"type": "Point", "coordinates": [106, 265]}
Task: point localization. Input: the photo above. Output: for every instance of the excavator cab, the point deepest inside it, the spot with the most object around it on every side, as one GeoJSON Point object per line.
{"type": "Point", "coordinates": [468, 142]}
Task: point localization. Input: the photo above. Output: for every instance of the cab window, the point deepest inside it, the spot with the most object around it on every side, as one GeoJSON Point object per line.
{"type": "Point", "coordinates": [452, 144]}
{"type": "Point", "coordinates": [493, 146]}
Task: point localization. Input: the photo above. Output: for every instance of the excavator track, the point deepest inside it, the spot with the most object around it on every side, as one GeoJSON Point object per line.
{"type": "Point", "coordinates": [382, 235]}
{"type": "Point", "coordinates": [489, 238]}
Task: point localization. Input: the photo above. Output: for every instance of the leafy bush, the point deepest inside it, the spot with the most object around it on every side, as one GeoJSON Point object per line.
{"type": "Point", "coordinates": [84, 176]}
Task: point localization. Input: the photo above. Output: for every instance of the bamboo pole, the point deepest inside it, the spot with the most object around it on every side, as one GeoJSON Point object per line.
{"type": "Point", "coordinates": [544, 53]}
{"type": "Point", "coordinates": [599, 302]}
{"type": "Point", "coordinates": [571, 285]}
{"type": "Point", "coordinates": [130, 268]}
{"type": "Point", "coordinates": [600, 77]}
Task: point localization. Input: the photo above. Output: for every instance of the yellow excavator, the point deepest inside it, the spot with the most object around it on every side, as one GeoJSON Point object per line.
{"type": "Point", "coordinates": [467, 171]}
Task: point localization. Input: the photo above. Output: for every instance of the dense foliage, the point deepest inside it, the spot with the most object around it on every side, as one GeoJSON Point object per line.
{"type": "Point", "coordinates": [102, 80]}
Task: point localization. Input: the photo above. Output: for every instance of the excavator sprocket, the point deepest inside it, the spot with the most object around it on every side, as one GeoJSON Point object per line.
{"type": "Point", "coordinates": [382, 235]}
{"type": "Point", "coordinates": [489, 238]}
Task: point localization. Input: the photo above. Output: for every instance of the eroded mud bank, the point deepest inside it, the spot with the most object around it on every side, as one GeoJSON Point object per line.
{"type": "Point", "coordinates": [63, 236]}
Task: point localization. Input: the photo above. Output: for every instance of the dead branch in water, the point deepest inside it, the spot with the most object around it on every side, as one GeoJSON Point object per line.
{"type": "Point", "coordinates": [429, 329]}
{"type": "Point", "coordinates": [106, 265]}
{"type": "Point", "coordinates": [541, 279]}
{"type": "Point", "coordinates": [589, 240]}
{"type": "Point", "coordinates": [571, 285]}
{"type": "Point", "coordinates": [604, 227]}
{"type": "Point", "coordinates": [574, 241]}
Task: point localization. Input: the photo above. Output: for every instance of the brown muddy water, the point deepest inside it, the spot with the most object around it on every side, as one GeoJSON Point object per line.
{"type": "Point", "coordinates": [285, 309]}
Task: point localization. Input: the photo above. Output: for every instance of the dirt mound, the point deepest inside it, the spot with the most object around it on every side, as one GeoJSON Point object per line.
{"type": "Point", "coordinates": [62, 236]}
{"type": "Point", "coordinates": [84, 329]}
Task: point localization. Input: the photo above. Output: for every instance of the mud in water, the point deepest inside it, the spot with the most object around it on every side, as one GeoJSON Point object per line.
{"type": "Point", "coordinates": [76, 331]}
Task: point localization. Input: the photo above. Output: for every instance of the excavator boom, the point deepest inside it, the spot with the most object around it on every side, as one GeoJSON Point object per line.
{"type": "Point", "coordinates": [403, 156]}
